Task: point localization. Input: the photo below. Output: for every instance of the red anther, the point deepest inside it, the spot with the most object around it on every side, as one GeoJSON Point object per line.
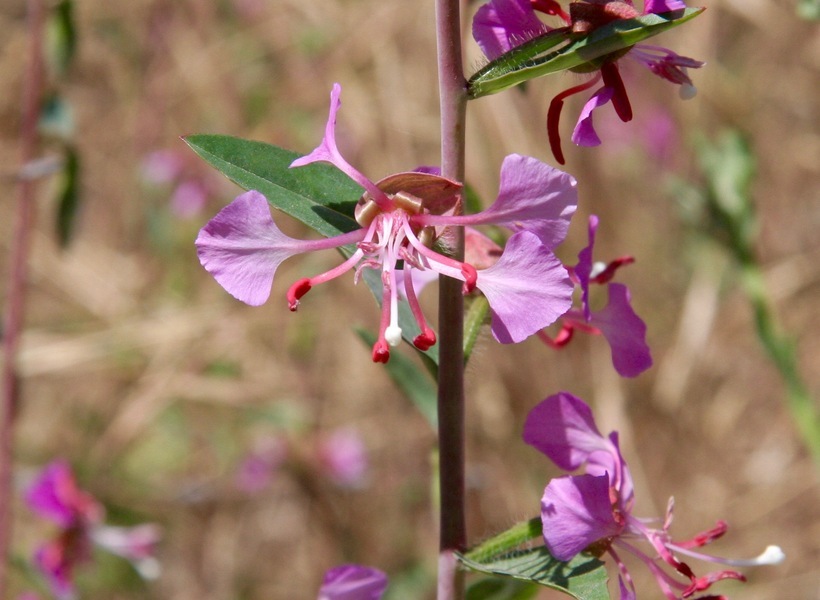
{"type": "Point", "coordinates": [609, 272]}
{"type": "Point", "coordinates": [296, 291]}
{"type": "Point", "coordinates": [620, 100]}
{"type": "Point", "coordinates": [381, 352]}
{"type": "Point", "coordinates": [562, 339]}
{"type": "Point", "coordinates": [470, 277]}
{"type": "Point", "coordinates": [425, 340]}
{"type": "Point", "coordinates": [702, 583]}
{"type": "Point", "coordinates": [705, 537]}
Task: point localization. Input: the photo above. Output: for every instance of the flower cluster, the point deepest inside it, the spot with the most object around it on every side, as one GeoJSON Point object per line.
{"type": "Point", "coordinates": [593, 511]}
{"type": "Point", "coordinates": [501, 25]}
{"type": "Point", "coordinates": [55, 496]}
{"type": "Point", "coordinates": [405, 222]}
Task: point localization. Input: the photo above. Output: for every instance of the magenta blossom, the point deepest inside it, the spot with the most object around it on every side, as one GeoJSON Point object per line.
{"type": "Point", "coordinates": [353, 582]}
{"type": "Point", "coordinates": [343, 457]}
{"type": "Point", "coordinates": [403, 218]}
{"type": "Point", "coordinates": [622, 328]}
{"type": "Point", "coordinates": [501, 25]}
{"type": "Point", "coordinates": [55, 496]}
{"type": "Point", "coordinates": [593, 512]}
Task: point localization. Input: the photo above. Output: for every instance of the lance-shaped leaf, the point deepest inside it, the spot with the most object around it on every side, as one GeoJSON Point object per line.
{"type": "Point", "coordinates": [507, 555]}
{"type": "Point", "coordinates": [583, 578]}
{"type": "Point", "coordinates": [540, 56]}
{"type": "Point", "coordinates": [318, 195]}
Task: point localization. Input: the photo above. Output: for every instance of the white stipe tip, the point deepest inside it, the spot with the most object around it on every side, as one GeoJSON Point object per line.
{"type": "Point", "coordinates": [393, 335]}
{"type": "Point", "coordinates": [687, 91]}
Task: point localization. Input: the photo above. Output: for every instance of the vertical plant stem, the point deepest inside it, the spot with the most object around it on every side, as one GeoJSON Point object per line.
{"type": "Point", "coordinates": [453, 102]}
{"type": "Point", "coordinates": [15, 302]}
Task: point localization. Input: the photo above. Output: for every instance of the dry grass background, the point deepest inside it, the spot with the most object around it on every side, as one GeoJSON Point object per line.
{"type": "Point", "coordinates": [153, 382]}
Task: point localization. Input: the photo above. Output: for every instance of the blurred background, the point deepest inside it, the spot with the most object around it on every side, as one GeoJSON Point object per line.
{"type": "Point", "coordinates": [266, 444]}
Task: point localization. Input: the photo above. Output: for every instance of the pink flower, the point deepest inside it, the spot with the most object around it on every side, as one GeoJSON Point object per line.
{"type": "Point", "coordinates": [353, 582]}
{"type": "Point", "coordinates": [622, 328]}
{"type": "Point", "coordinates": [257, 469]}
{"type": "Point", "coordinates": [403, 219]}
{"type": "Point", "coordinates": [501, 25]}
{"type": "Point", "coordinates": [593, 512]}
{"type": "Point", "coordinates": [342, 455]}
{"type": "Point", "coordinates": [55, 496]}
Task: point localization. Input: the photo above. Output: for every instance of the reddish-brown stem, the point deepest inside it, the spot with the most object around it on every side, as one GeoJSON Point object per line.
{"type": "Point", "coordinates": [18, 274]}
{"type": "Point", "coordinates": [453, 102]}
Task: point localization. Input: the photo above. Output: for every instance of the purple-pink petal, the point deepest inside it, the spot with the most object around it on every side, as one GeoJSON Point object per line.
{"type": "Point", "coordinates": [625, 332]}
{"type": "Point", "coordinates": [584, 133]}
{"type": "Point", "coordinates": [242, 248]}
{"type": "Point", "coordinates": [44, 496]}
{"type": "Point", "coordinates": [528, 289]}
{"type": "Point", "coordinates": [576, 512]}
{"type": "Point", "coordinates": [353, 582]}
{"type": "Point", "coordinates": [328, 151]}
{"type": "Point", "coordinates": [533, 196]}
{"type": "Point", "coordinates": [501, 25]}
{"type": "Point", "coordinates": [583, 270]}
{"type": "Point", "coordinates": [662, 6]}
{"type": "Point", "coordinates": [562, 427]}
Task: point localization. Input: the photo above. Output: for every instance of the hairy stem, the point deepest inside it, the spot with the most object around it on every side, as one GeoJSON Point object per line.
{"type": "Point", "coordinates": [453, 98]}
{"type": "Point", "coordinates": [18, 274]}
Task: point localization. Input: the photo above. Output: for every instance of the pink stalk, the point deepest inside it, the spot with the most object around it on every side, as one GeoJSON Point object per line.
{"type": "Point", "coordinates": [453, 103]}
{"type": "Point", "coordinates": [18, 274]}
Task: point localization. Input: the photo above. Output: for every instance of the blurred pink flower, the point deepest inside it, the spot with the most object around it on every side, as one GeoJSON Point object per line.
{"type": "Point", "coordinates": [353, 582]}
{"type": "Point", "coordinates": [55, 496]}
{"type": "Point", "coordinates": [257, 469]}
{"type": "Point", "coordinates": [343, 457]}
{"type": "Point", "coordinates": [191, 185]}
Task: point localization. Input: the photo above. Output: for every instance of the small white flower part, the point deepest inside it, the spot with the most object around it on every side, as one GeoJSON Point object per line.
{"type": "Point", "coordinates": [393, 335]}
{"type": "Point", "coordinates": [687, 91]}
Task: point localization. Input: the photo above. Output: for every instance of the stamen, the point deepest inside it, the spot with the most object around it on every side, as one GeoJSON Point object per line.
{"type": "Point", "coordinates": [427, 338]}
{"type": "Point", "coordinates": [562, 339]}
{"type": "Point", "coordinates": [602, 273]}
{"type": "Point", "coordinates": [296, 291]}
{"type": "Point", "coordinates": [620, 100]}
{"type": "Point", "coordinates": [381, 353]}
{"type": "Point", "coordinates": [554, 116]}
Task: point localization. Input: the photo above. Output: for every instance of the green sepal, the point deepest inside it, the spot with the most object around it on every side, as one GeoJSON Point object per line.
{"type": "Point", "coordinates": [539, 57]}
{"type": "Point", "coordinates": [318, 195]}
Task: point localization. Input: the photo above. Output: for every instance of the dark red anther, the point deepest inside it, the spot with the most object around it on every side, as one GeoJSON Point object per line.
{"type": "Point", "coordinates": [470, 277]}
{"type": "Point", "coordinates": [705, 537]}
{"type": "Point", "coordinates": [609, 272]}
{"type": "Point", "coordinates": [425, 340]}
{"type": "Point", "coordinates": [612, 79]}
{"type": "Point", "coordinates": [296, 291]}
{"type": "Point", "coordinates": [381, 352]}
{"type": "Point", "coordinates": [554, 115]}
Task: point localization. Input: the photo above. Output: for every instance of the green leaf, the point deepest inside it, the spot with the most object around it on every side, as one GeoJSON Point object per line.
{"type": "Point", "coordinates": [318, 195]}
{"type": "Point", "coordinates": [501, 589]}
{"type": "Point", "coordinates": [474, 320]}
{"type": "Point", "coordinates": [69, 197]}
{"type": "Point", "coordinates": [413, 383]}
{"type": "Point", "coordinates": [61, 37]}
{"type": "Point", "coordinates": [583, 578]}
{"type": "Point", "coordinates": [539, 57]}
